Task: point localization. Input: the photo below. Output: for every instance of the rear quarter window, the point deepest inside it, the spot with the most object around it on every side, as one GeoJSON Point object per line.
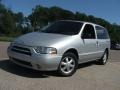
{"type": "Point", "coordinates": [102, 33]}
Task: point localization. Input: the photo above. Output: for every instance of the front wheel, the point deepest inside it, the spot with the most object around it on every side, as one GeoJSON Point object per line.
{"type": "Point", "coordinates": [104, 58]}
{"type": "Point", "coordinates": [68, 65]}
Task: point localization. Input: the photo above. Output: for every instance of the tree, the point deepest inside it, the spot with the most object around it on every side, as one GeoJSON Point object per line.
{"type": "Point", "coordinates": [55, 13]}
{"type": "Point", "coordinates": [81, 17]}
{"type": "Point", "coordinates": [14, 24]}
{"type": "Point", "coordinates": [67, 15]}
{"type": "Point", "coordinates": [92, 18]}
{"type": "Point", "coordinates": [39, 17]}
{"type": "Point", "coordinates": [8, 24]}
{"type": "Point", "coordinates": [18, 17]}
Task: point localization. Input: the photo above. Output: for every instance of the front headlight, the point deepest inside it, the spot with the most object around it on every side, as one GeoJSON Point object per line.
{"type": "Point", "coordinates": [45, 50]}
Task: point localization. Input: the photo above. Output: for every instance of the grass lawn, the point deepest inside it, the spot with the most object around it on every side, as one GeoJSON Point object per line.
{"type": "Point", "coordinates": [7, 39]}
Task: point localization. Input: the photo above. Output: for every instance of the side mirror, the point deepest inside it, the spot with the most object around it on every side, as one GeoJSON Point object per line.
{"type": "Point", "coordinates": [82, 36]}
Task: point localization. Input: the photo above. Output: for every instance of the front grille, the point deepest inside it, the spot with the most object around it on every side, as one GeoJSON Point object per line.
{"type": "Point", "coordinates": [20, 49]}
{"type": "Point", "coordinates": [22, 62]}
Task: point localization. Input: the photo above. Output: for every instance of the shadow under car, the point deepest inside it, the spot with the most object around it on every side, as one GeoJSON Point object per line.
{"type": "Point", "coordinates": [10, 67]}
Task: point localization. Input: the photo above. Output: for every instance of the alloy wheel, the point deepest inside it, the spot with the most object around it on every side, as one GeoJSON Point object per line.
{"type": "Point", "coordinates": [67, 65]}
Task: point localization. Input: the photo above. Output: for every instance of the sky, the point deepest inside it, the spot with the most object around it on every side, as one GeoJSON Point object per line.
{"type": "Point", "coordinates": [106, 9]}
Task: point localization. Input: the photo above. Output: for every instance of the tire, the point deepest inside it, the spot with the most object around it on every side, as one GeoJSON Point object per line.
{"type": "Point", "coordinates": [68, 65]}
{"type": "Point", "coordinates": [104, 58]}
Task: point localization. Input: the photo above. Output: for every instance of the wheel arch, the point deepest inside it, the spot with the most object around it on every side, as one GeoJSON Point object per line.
{"type": "Point", "coordinates": [74, 51]}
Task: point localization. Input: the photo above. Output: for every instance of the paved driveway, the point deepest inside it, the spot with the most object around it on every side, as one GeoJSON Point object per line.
{"type": "Point", "coordinates": [89, 76]}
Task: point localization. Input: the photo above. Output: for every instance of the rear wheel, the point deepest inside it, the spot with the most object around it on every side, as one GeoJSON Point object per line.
{"type": "Point", "coordinates": [104, 58]}
{"type": "Point", "coordinates": [68, 64]}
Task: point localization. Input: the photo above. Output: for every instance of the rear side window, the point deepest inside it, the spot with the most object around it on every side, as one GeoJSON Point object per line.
{"type": "Point", "coordinates": [101, 33]}
{"type": "Point", "coordinates": [88, 32]}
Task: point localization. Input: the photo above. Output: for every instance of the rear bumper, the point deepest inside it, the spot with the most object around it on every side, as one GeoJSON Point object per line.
{"type": "Point", "coordinates": [42, 62]}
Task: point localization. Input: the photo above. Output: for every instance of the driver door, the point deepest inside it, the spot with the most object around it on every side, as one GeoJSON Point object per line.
{"type": "Point", "coordinates": [89, 44]}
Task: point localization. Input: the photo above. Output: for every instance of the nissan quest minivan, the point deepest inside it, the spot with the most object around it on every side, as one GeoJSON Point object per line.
{"type": "Point", "coordinates": [61, 46]}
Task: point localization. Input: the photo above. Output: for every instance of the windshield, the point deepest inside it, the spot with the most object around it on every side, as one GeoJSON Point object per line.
{"type": "Point", "coordinates": [63, 27]}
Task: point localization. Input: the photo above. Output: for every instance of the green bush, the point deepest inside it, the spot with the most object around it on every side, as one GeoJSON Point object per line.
{"type": "Point", "coordinates": [7, 39]}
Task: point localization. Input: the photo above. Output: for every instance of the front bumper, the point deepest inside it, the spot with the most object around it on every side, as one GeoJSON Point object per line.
{"type": "Point", "coordinates": [42, 62]}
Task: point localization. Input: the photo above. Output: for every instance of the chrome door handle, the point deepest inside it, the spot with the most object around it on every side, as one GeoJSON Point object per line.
{"type": "Point", "coordinates": [97, 43]}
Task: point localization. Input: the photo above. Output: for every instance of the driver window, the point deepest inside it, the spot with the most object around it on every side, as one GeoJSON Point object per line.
{"type": "Point", "coordinates": [88, 32]}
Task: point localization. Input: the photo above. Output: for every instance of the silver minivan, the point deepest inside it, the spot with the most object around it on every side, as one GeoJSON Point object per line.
{"type": "Point", "coordinates": [61, 46]}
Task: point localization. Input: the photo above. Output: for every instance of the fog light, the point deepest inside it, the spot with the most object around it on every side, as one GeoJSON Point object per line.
{"type": "Point", "coordinates": [38, 66]}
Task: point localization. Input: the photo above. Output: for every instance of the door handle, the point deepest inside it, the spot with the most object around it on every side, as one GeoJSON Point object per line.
{"type": "Point", "coordinates": [97, 43]}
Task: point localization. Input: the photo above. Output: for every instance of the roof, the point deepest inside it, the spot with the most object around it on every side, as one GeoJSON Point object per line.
{"type": "Point", "coordinates": [83, 22]}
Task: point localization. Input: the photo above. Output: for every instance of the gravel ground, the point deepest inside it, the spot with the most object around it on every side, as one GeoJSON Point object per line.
{"type": "Point", "coordinates": [89, 76]}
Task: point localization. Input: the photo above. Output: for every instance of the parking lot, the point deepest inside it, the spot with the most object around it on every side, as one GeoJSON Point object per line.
{"type": "Point", "coordinates": [89, 76]}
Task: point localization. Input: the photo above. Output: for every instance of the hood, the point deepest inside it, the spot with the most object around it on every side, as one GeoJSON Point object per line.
{"type": "Point", "coordinates": [40, 39]}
